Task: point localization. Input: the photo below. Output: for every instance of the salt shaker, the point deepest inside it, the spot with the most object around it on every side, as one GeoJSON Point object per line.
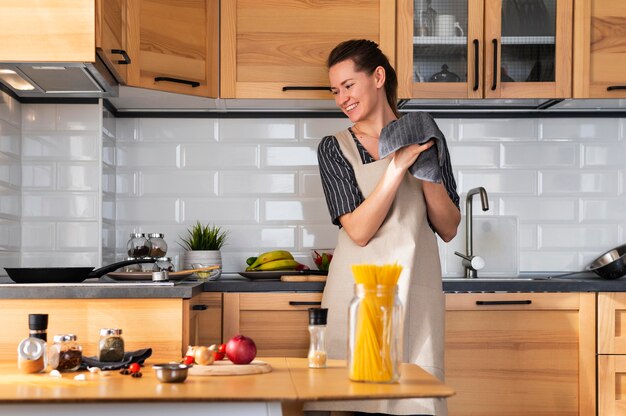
{"type": "Point", "coordinates": [317, 331]}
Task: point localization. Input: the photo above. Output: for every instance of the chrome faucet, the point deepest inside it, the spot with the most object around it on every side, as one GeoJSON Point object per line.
{"type": "Point", "coordinates": [472, 263]}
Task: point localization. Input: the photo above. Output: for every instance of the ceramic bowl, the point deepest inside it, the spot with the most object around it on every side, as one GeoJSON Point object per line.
{"type": "Point", "coordinates": [171, 373]}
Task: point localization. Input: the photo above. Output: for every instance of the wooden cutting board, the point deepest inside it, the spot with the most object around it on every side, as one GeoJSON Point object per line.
{"type": "Point", "coordinates": [227, 368]}
{"type": "Point", "coordinates": [303, 278]}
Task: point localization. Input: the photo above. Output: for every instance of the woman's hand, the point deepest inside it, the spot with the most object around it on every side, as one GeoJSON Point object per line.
{"type": "Point", "coordinates": [404, 157]}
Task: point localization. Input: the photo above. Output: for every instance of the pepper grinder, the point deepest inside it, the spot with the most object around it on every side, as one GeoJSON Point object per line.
{"type": "Point", "coordinates": [317, 331]}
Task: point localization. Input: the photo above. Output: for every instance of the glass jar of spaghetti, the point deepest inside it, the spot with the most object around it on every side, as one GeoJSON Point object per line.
{"type": "Point", "coordinates": [375, 334]}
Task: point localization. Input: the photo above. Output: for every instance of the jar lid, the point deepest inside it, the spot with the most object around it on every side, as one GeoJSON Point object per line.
{"type": "Point", "coordinates": [137, 235]}
{"type": "Point", "coordinates": [110, 331]}
{"type": "Point", "coordinates": [65, 338]}
{"type": "Point", "coordinates": [317, 316]}
{"type": "Point", "coordinates": [156, 235]}
{"type": "Point", "coordinates": [38, 321]}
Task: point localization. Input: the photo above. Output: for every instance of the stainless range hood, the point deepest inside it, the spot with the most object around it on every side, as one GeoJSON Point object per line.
{"type": "Point", "coordinates": [50, 80]}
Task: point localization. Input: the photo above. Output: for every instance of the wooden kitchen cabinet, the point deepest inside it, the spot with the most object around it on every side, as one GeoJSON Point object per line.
{"type": "Point", "coordinates": [611, 354]}
{"type": "Point", "coordinates": [277, 322]}
{"type": "Point", "coordinates": [174, 46]}
{"type": "Point", "coordinates": [50, 31]}
{"type": "Point", "coordinates": [521, 353]}
{"type": "Point", "coordinates": [161, 324]}
{"type": "Point", "coordinates": [484, 49]}
{"type": "Point", "coordinates": [599, 53]}
{"type": "Point", "coordinates": [271, 49]}
{"type": "Point", "coordinates": [206, 319]}
{"type": "Point", "coordinates": [111, 37]}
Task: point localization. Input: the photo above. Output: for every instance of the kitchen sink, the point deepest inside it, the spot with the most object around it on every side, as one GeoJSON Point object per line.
{"type": "Point", "coordinates": [495, 279]}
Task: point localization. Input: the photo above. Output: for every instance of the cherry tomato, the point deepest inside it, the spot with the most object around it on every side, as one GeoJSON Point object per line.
{"type": "Point", "coordinates": [218, 355]}
{"type": "Point", "coordinates": [222, 349]}
{"type": "Point", "coordinates": [188, 359]}
{"type": "Point", "coordinates": [134, 368]}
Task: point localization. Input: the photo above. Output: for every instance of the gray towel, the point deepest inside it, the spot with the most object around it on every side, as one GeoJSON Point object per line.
{"type": "Point", "coordinates": [416, 127]}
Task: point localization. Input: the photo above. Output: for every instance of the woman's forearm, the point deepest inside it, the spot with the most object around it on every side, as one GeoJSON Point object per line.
{"type": "Point", "coordinates": [442, 213]}
{"type": "Point", "coordinates": [363, 223]}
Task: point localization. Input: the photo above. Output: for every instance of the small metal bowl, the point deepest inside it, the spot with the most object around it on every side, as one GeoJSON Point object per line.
{"type": "Point", "coordinates": [171, 373]}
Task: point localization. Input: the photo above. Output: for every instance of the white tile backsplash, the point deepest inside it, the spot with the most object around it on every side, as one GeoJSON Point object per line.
{"type": "Point", "coordinates": [562, 178]}
{"type": "Point", "coordinates": [249, 182]}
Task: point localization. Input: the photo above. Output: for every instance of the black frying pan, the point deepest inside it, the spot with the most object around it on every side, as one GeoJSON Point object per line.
{"type": "Point", "coordinates": [65, 274]}
{"type": "Point", "coordinates": [610, 265]}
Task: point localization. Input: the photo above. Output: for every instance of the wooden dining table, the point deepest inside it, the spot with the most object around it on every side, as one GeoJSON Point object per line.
{"type": "Point", "coordinates": [279, 392]}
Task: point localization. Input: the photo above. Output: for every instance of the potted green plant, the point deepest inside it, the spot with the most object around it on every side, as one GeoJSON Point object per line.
{"type": "Point", "coordinates": [202, 245]}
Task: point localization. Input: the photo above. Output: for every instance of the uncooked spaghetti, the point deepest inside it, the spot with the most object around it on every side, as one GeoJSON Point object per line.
{"type": "Point", "coordinates": [376, 332]}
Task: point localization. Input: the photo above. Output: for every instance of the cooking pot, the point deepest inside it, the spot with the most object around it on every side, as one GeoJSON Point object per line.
{"type": "Point", "coordinates": [65, 274]}
{"type": "Point", "coordinates": [610, 265]}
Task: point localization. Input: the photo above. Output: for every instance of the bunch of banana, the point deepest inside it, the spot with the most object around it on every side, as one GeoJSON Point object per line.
{"type": "Point", "coordinates": [273, 260]}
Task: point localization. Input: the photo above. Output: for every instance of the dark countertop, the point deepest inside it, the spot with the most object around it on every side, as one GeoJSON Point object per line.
{"type": "Point", "coordinates": [99, 289]}
{"type": "Point", "coordinates": [231, 282]}
{"type": "Point", "coordinates": [526, 282]}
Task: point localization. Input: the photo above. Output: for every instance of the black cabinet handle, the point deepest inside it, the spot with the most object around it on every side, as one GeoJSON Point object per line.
{"type": "Point", "coordinates": [476, 66]}
{"type": "Point", "coordinates": [503, 302]}
{"type": "Point", "coordinates": [616, 87]}
{"type": "Point", "coordinates": [494, 83]}
{"type": "Point", "coordinates": [199, 308]}
{"type": "Point", "coordinates": [193, 84]}
{"type": "Point", "coordinates": [122, 52]}
{"type": "Point", "coordinates": [305, 88]}
{"type": "Point", "coordinates": [296, 303]}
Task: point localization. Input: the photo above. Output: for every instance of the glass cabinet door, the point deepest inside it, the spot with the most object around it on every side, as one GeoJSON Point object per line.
{"type": "Point", "coordinates": [439, 53]}
{"type": "Point", "coordinates": [528, 48]}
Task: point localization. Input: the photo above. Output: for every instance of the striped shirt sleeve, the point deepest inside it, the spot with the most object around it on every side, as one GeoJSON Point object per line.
{"type": "Point", "coordinates": [338, 180]}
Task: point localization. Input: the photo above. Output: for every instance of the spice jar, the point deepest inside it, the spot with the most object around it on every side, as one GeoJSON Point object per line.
{"type": "Point", "coordinates": [317, 330]}
{"type": "Point", "coordinates": [65, 354]}
{"type": "Point", "coordinates": [163, 264]}
{"type": "Point", "coordinates": [111, 345]}
{"type": "Point", "coordinates": [138, 245]}
{"type": "Point", "coordinates": [131, 268]}
{"type": "Point", "coordinates": [375, 334]}
{"type": "Point", "coordinates": [31, 351]}
{"type": "Point", "coordinates": [158, 246]}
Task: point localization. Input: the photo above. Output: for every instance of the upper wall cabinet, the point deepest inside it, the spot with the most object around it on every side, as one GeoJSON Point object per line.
{"type": "Point", "coordinates": [600, 49]}
{"type": "Point", "coordinates": [278, 48]}
{"type": "Point", "coordinates": [484, 48]}
{"type": "Point", "coordinates": [111, 36]}
{"type": "Point", "coordinates": [174, 46]}
{"type": "Point", "coordinates": [49, 31]}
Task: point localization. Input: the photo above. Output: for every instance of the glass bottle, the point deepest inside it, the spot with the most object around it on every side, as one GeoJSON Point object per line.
{"type": "Point", "coordinates": [65, 354]}
{"type": "Point", "coordinates": [138, 245]}
{"type": "Point", "coordinates": [31, 352]}
{"type": "Point", "coordinates": [132, 268]}
{"type": "Point", "coordinates": [375, 334]}
{"type": "Point", "coordinates": [158, 246]}
{"type": "Point", "coordinates": [163, 264]}
{"type": "Point", "coordinates": [111, 345]}
{"type": "Point", "coordinates": [317, 330]}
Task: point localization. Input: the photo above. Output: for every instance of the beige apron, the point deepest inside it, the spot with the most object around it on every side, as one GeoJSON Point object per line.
{"type": "Point", "coordinates": [404, 237]}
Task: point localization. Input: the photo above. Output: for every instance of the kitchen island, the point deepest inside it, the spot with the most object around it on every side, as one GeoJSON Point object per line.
{"type": "Point", "coordinates": [290, 382]}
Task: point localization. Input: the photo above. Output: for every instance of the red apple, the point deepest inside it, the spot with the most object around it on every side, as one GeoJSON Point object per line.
{"type": "Point", "coordinates": [240, 349]}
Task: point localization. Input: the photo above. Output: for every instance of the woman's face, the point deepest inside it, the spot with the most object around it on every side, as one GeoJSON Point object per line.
{"type": "Point", "coordinates": [356, 93]}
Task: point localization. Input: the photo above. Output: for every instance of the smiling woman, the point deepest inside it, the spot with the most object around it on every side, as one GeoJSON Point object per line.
{"type": "Point", "coordinates": [386, 215]}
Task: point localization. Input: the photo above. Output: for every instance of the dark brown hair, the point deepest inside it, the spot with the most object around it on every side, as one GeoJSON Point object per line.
{"type": "Point", "coordinates": [367, 57]}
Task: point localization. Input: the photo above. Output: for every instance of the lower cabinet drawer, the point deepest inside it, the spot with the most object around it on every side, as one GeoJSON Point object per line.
{"type": "Point", "coordinates": [611, 385]}
{"type": "Point", "coordinates": [277, 322]}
